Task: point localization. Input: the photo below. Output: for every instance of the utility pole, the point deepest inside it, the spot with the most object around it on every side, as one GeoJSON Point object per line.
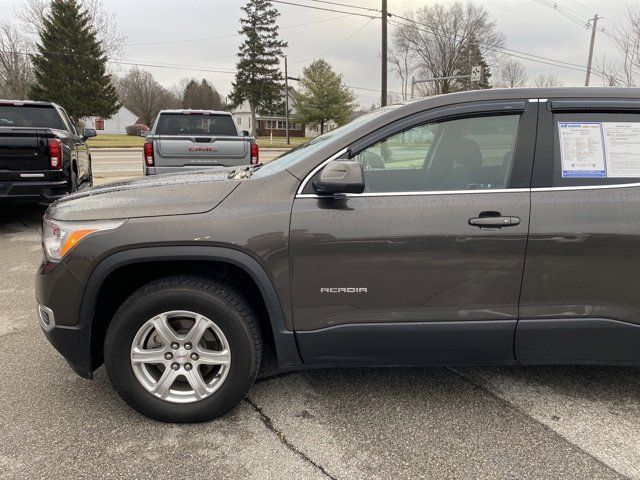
{"type": "Point", "coordinates": [383, 89]}
{"type": "Point", "coordinates": [286, 100]}
{"type": "Point", "coordinates": [593, 39]}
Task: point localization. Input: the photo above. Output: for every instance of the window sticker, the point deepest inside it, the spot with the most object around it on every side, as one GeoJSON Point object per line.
{"type": "Point", "coordinates": [582, 150]}
{"type": "Point", "coordinates": [622, 148]}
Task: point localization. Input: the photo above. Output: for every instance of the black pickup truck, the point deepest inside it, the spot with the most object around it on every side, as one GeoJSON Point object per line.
{"type": "Point", "coordinates": [42, 155]}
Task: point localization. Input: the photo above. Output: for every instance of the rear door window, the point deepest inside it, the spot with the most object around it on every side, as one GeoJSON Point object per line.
{"type": "Point", "coordinates": [595, 149]}
{"type": "Point", "coordinates": [30, 116]}
{"type": "Point", "coordinates": [196, 124]}
{"type": "Point", "coordinates": [69, 123]}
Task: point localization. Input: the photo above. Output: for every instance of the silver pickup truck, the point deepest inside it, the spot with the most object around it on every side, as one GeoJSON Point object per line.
{"type": "Point", "coordinates": [183, 140]}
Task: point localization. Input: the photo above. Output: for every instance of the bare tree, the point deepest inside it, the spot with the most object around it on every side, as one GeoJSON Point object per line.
{"type": "Point", "coordinates": [440, 38]}
{"type": "Point", "coordinates": [33, 12]}
{"type": "Point", "coordinates": [609, 72]}
{"type": "Point", "coordinates": [143, 95]}
{"type": "Point", "coordinates": [627, 37]}
{"type": "Point", "coordinates": [16, 74]}
{"type": "Point", "coordinates": [402, 61]}
{"type": "Point", "coordinates": [547, 81]}
{"type": "Point", "coordinates": [513, 73]}
{"type": "Point", "coordinates": [395, 97]}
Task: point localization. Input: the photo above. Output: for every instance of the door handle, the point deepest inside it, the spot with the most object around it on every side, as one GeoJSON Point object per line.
{"type": "Point", "coordinates": [494, 221]}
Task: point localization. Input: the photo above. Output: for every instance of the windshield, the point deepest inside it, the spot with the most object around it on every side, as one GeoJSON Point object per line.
{"type": "Point", "coordinates": [196, 124]}
{"type": "Point", "coordinates": [301, 152]}
{"type": "Point", "coordinates": [30, 116]}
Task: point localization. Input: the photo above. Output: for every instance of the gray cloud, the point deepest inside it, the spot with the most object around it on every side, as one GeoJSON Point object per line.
{"type": "Point", "coordinates": [528, 26]}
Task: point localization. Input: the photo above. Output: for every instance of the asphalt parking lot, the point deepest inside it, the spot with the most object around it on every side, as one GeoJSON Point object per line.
{"type": "Point", "coordinates": [543, 422]}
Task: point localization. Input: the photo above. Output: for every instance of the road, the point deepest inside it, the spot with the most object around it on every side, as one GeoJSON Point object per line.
{"type": "Point", "coordinates": [116, 164]}
{"type": "Point", "coordinates": [393, 423]}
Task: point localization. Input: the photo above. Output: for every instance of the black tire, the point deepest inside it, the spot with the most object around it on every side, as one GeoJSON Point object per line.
{"type": "Point", "coordinates": [73, 182]}
{"type": "Point", "coordinates": [89, 180]}
{"type": "Point", "coordinates": [213, 299]}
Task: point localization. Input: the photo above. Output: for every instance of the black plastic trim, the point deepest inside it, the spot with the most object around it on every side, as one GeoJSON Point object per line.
{"type": "Point", "coordinates": [411, 343]}
{"type": "Point", "coordinates": [577, 341]}
{"type": "Point", "coordinates": [593, 104]}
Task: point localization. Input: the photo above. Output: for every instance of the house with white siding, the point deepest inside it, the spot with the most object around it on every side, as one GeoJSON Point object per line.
{"type": "Point", "coordinates": [117, 123]}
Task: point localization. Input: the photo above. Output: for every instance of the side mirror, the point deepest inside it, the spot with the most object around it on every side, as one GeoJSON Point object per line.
{"type": "Point", "coordinates": [340, 176]}
{"type": "Point", "coordinates": [88, 133]}
{"type": "Point", "coordinates": [245, 133]}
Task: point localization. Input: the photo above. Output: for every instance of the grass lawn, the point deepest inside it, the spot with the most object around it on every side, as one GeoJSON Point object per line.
{"type": "Point", "coordinates": [115, 141]}
{"type": "Point", "coordinates": [280, 142]}
{"type": "Point", "coordinates": [119, 141]}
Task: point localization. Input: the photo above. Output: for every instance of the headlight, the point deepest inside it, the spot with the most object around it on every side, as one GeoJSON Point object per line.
{"type": "Point", "coordinates": [60, 237]}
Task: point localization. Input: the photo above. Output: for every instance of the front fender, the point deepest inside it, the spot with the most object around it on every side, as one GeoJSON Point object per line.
{"type": "Point", "coordinates": [285, 343]}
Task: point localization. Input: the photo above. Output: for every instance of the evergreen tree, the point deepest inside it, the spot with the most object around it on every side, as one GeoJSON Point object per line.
{"type": "Point", "coordinates": [470, 56]}
{"type": "Point", "coordinates": [201, 96]}
{"type": "Point", "coordinates": [323, 96]}
{"type": "Point", "coordinates": [70, 65]}
{"type": "Point", "coordinates": [258, 78]}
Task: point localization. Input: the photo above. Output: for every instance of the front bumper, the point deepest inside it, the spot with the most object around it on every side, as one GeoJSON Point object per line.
{"type": "Point", "coordinates": [59, 294]}
{"type": "Point", "coordinates": [33, 191]}
{"type": "Point", "coordinates": [72, 342]}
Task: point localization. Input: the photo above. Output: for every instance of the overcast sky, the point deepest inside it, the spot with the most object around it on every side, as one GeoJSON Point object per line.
{"type": "Point", "coordinates": [351, 44]}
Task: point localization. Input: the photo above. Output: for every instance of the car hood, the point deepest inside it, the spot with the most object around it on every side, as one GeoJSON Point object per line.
{"type": "Point", "coordinates": [174, 194]}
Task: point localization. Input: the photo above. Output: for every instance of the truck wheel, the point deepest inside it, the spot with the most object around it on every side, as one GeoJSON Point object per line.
{"type": "Point", "coordinates": [73, 182]}
{"type": "Point", "coordinates": [183, 349]}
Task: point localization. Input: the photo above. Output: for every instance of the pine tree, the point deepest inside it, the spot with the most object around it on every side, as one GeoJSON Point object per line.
{"type": "Point", "coordinates": [70, 65]}
{"type": "Point", "coordinates": [259, 80]}
{"type": "Point", "coordinates": [201, 96]}
{"type": "Point", "coordinates": [469, 57]}
{"type": "Point", "coordinates": [323, 96]}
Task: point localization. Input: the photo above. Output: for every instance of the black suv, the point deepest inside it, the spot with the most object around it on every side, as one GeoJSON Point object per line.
{"type": "Point", "coordinates": [493, 227]}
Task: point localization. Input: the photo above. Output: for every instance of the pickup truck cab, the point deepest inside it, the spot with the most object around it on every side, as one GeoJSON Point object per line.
{"type": "Point", "coordinates": [183, 140]}
{"type": "Point", "coordinates": [496, 227]}
{"type": "Point", "coordinates": [42, 155]}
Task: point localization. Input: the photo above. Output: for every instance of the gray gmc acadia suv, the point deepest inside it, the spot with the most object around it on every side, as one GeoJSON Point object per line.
{"type": "Point", "coordinates": [494, 227]}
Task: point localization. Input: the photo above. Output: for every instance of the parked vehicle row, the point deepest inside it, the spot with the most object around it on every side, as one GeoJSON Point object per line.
{"type": "Point", "coordinates": [42, 155]}
{"type": "Point", "coordinates": [494, 227]}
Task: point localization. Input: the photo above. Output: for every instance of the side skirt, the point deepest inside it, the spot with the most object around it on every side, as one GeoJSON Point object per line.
{"type": "Point", "coordinates": [411, 343]}
{"type": "Point", "coordinates": [577, 341]}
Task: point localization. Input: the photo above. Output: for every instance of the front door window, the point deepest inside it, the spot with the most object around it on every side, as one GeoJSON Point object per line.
{"type": "Point", "coordinates": [462, 154]}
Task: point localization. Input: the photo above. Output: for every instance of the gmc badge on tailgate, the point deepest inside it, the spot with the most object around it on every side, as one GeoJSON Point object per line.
{"type": "Point", "coordinates": [202, 149]}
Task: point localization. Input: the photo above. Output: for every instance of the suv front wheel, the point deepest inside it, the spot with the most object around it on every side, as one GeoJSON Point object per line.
{"type": "Point", "coordinates": [183, 349]}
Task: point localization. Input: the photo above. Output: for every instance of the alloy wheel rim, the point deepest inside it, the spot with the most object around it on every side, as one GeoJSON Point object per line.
{"type": "Point", "coordinates": [180, 356]}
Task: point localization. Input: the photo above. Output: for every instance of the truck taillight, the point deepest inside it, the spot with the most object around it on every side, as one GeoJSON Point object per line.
{"type": "Point", "coordinates": [148, 153]}
{"type": "Point", "coordinates": [55, 154]}
{"type": "Point", "coordinates": [255, 154]}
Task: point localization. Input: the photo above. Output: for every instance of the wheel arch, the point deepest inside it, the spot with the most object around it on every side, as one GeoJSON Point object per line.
{"type": "Point", "coordinates": [283, 339]}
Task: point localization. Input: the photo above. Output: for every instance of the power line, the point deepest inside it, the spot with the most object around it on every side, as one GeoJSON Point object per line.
{"type": "Point", "coordinates": [507, 51]}
{"type": "Point", "coordinates": [582, 5]}
{"type": "Point", "coordinates": [565, 12]}
{"type": "Point", "coordinates": [324, 9]}
{"type": "Point", "coordinates": [188, 40]}
{"type": "Point", "coordinates": [136, 63]}
{"type": "Point", "coordinates": [342, 42]}
{"type": "Point", "coordinates": [349, 5]}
